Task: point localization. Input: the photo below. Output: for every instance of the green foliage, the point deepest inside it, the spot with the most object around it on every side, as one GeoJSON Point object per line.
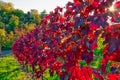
{"type": "Point", "coordinates": [29, 27]}
{"type": "Point", "coordinates": [48, 77]}
{"type": "Point", "coordinates": [18, 12]}
{"type": "Point", "coordinates": [43, 13]}
{"type": "Point", "coordinates": [2, 25]}
{"type": "Point", "coordinates": [6, 6]}
{"type": "Point", "coordinates": [2, 36]}
{"type": "Point", "coordinates": [96, 63]}
{"type": "Point", "coordinates": [13, 23]}
{"type": "Point", "coordinates": [7, 40]}
{"type": "Point", "coordinates": [108, 67]}
{"type": "Point", "coordinates": [32, 17]}
{"type": "Point", "coordinates": [2, 33]}
{"type": "Point", "coordinates": [100, 43]}
{"type": "Point", "coordinates": [9, 69]}
{"type": "Point", "coordinates": [83, 63]}
{"type": "Point", "coordinates": [12, 19]}
{"type": "Point", "coordinates": [7, 45]}
{"type": "Point", "coordinates": [98, 54]}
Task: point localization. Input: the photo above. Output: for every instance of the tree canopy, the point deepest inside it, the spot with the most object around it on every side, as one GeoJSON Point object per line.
{"type": "Point", "coordinates": [16, 21]}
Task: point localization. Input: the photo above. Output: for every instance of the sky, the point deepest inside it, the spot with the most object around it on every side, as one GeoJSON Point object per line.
{"type": "Point", "coordinates": [40, 5]}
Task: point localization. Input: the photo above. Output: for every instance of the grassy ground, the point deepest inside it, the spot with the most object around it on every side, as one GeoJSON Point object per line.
{"type": "Point", "coordinates": [9, 69]}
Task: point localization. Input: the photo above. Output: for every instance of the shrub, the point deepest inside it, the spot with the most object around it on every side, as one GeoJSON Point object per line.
{"type": "Point", "coordinates": [67, 43]}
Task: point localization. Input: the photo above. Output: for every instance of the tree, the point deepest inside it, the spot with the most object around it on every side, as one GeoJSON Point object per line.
{"type": "Point", "coordinates": [8, 7]}
{"type": "Point", "coordinates": [20, 14]}
{"type": "Point", "coordinates": [32, 17]}
{"type": "Point", "coordinates": [43, 13]}
{"type": "Point", "coordinates": [2, 25]}
{"type": "Point", "coordinates": [35, 14]}
{"type": "Point", "coordinates": [10, 38]}
{"type": "Point", "coordinates": [2, 39]}
{"type": "Point", "coordinates": [13, 23]}
{"type": "Point", "coordinates": [12, 19]}
{"type": "Point", "coordinates": [29, 27]}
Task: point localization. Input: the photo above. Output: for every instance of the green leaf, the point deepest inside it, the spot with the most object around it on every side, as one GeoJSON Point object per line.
{"type": "Point", "coordinates": [83, 63]}
{"type": "Point", "coordinates": [98, 52]}
{"type": "Point", "coordinates": [108, 67]}
{"type": "Point", "coordinates": [96, 63]}
{"type": "Point", "coordinates": [48, 77]}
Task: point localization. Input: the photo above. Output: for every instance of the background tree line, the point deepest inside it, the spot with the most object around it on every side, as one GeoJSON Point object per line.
{"type": "Point", "coordinates": [14, 23]}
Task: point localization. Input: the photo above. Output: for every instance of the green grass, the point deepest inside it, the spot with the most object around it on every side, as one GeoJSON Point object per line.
{"type": "Point", "coordinates": [9, 69]}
